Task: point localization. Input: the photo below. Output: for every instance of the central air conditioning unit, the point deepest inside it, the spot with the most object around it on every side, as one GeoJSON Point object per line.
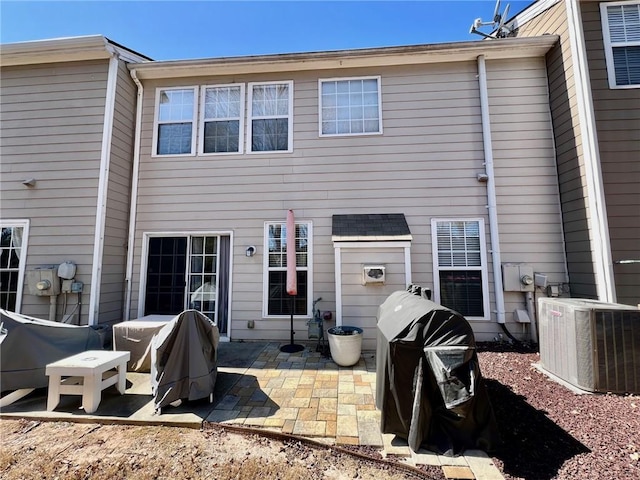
{"type": "Point", "coordinates": [592, 345]}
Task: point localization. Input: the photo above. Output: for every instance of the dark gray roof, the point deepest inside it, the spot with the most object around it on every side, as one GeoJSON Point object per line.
{"type": "Point", "coordinates": [370, 227]}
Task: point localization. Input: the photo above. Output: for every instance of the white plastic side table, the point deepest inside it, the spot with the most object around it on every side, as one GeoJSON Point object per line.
{"type": "Point", "coordinates": [87, 374]}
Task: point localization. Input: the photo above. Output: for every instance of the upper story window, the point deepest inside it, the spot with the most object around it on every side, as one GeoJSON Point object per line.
{"type": "Point", "coordinates": [175, 133]}
{"type": "Point", "coordinates": [621, 34]}
{"type": "Point", "coordinates": [350, 106]}
{"type": "Point", "coordinates": [222, 118]}
{"type": "Point", "coordinates": [460, 266]}
{"type": "Point", "coordinates": [270, 117]}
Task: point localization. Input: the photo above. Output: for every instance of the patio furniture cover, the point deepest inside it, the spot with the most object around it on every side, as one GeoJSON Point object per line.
{"type": "Point", "coordinates": [28, 344]}
{"type": "Point", "coordinates": [428, 383]}
{"type": "Point", "coordinates": [184, 359]}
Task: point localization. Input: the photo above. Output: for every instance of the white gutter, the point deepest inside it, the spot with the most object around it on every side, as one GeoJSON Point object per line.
{"type": "Point", "coordinates": [134, 196]}
{"type": "Point", "coordinates": [103, 184]}
{"type": "Point", "coordinates": [491, 190]}
{"type": "Point", "coordinates": [601, 246]}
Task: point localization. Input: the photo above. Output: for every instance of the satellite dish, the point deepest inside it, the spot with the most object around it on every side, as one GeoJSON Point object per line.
{"type": "Point", "coordinates": [499, 29]}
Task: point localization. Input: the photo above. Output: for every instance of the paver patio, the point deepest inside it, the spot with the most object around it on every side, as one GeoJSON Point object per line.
{"type": "Point", "coordinates": [304, 394]}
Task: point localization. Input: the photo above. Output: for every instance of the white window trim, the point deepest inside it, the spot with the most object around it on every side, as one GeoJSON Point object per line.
{"type": "Point", "coordinates": [250, 117]}
{"type": "Point", "coordinates": [241, 119]}
{"type": "Point", "coordinates": [608, 46]}
{"type": "Point", "coordinates": [378, 78]}
{"type": "Point", "coordinates": [144, 260]}
{"type": "Point", "coordinates": [156, 123]}
{"type": "Point", "coordinates": [265, 271]}
{"type": "Point", "coordinates": [483, 261]}
{"type": "Point", "coordinates": [22, 266]}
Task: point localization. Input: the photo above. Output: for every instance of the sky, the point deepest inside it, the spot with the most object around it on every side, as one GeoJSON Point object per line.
{"type": "Point", "coordinates": [168, 30]}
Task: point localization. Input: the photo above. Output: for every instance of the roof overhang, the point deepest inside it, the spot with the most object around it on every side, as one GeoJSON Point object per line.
{"type": "Point", "coordinates": [72, 49]}
{"type": "Point", "coordinates": [371, 57]}
{"type": "Point", "coordinates": [382, 227]}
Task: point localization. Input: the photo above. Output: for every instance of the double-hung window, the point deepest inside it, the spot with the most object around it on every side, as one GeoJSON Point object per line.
{"type": "Point", "coordinates": [350, 106]}
{"type": "Point", "coordinates": [621, 34]}
{"type": "Point", "coordinates": [460, 266]}
{"type": "Point", "coordinates": [271, 117]}
{"type": "Point", "coordinates": [175, 131]}
{"type": "Point", "coordinates": [222, 118]}
{"type": "Point", "coordinates": [277, 302]}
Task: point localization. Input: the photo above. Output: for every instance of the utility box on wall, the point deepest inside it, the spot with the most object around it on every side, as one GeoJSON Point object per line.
{"type": "Point", "coordinates": [517, 277]}
{"type": "Point", "coordinates": [43, 281]}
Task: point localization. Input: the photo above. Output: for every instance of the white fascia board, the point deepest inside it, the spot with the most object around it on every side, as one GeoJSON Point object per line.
{"type": "Point", "coordinates": [375, 57]}
{"type": "Point", "coordinates": [69, 49]}
{"type": "Point", "coordinates": [531, 12]}
{"type": "Point", "coordinates": [371, 238]}
{"type": "Point", "coordinates": [340, 245]}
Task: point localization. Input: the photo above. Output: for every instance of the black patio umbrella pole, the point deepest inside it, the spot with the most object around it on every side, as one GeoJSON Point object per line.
{"type": "Point", "coordinates": [292, 347]}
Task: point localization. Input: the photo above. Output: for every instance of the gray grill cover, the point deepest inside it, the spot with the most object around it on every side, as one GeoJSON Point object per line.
{"type": "Point", "coordinates": [184, 359]}
{"type": "Point", "coordinates": [28, 344]}
{"type": "Point", "coordinates": [428, 383]}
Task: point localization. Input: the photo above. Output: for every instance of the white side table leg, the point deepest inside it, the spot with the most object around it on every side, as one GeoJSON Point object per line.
{"type": "Point", "coordinates": [91, 392]}
{"type": "Point", "coordinates": [122, 377]}
{"type": "Point", "coordinates": [53, 397]}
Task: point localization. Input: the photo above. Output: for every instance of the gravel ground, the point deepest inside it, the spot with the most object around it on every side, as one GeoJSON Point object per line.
{"type": "Point", "coordinates": [550, 432]}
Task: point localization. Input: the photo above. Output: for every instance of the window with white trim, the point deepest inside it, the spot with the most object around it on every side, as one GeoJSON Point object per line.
{"type": "Point", "coordinates": [621, 34]}
{"type": "Point", "coordinates": [222, 119]}
{"type": "Point", "coordinates": [13, 241]}
{"type": "Point", "coordinates": [270, 117]}
{"type": "Point", "coordinates": [460, 266]}
{"type": "Point", "coordinates": [277, 301]}
{"type": "Point", "coordinates": [350, 106]}
{"type": "Point", "coordinates": [175, 131]}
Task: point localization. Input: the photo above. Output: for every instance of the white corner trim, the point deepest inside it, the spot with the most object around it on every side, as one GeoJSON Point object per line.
{"type": "Point", "coordinates": [338, 281]}
{"type": "Point", "coordinates": [601, 246]}
{"type": "Point", "coordinates": [103, 184]}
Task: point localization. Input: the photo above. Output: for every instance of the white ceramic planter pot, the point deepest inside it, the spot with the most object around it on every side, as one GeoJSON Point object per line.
{"type": "Point", "coordinates": [345, 344]}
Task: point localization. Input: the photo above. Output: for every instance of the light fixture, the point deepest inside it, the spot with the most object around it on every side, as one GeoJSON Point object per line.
{"type": "Point", "coordinates": [250, 252]}
{"type": "Point", "coordinates": [29, 182]}
{"type": "Point", "coordinates": [482, 177]}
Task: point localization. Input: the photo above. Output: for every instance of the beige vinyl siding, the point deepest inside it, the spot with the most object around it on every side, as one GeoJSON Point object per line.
{"type": "Point", "coordinates": [118, 197]}
{"type": "Point", "coordinates": [52, 118]}
{"type": "Point", "coordinates": [361, 302]}
{"type": "Point", "coordinates": [568, 144]}
{"type": "Point", "coordinates": [424, 165]}
{"type": "Point", "coordinates": [528, 201]}
{"type": "Point", "coordinates": [617, 115]}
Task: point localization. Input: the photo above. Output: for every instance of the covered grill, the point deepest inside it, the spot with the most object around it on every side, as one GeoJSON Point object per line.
{"type": "Point", "coordinates": [429, 388]}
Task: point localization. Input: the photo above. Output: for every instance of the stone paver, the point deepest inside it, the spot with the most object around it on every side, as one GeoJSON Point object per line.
{"type": "Point", "coordinates": [306, 394]}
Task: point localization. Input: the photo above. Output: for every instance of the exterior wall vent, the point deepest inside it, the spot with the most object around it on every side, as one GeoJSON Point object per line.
{"type": "Point", "coordinates": [593, 345]}
{"type": "Point", "coordinates": [373, 274]}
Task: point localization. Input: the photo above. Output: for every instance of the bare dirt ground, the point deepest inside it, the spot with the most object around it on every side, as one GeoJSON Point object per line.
{"type": "Point", "coordinates": [61, 450]}
{"type": "Point", "coordinates": [548, 432]}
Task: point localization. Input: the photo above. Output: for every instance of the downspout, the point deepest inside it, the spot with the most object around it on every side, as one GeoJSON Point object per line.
{"type": "Point", "coordinates": [103, 187]}
{"type": "Point", "coordinates": [491, 191]}
{"type": "Point", "coordinates": [134, 196]}
{"type": "Point", "coordinates": [601, 248]}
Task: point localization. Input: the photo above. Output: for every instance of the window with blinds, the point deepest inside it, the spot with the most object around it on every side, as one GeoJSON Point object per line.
{"type": "Point", "coordinates": [621, 35]}
{"type": "Point", "coordinates": [460, 276]}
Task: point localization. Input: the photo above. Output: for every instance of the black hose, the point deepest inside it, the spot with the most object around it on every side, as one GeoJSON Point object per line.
{"type": "Point", "coordinates": [284, 437]}
{"type": "Point", "coordinates": [516, 342]}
